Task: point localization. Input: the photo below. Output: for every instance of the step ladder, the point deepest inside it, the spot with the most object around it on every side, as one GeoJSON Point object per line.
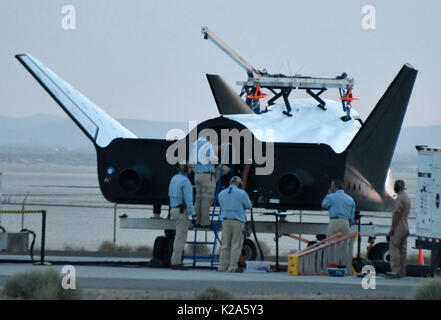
{"type": "Point", "coordinates": [215, 222]}
{"type": "Point", "coordinates": [209, 237]}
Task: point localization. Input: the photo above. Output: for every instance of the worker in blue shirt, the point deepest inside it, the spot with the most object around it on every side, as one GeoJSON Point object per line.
{"type": "Point", "coordinates": [341, 208]}
{"type": "Point", "coordinates": [203, 158]}
{"type": "Point", "coordinates": [181, 207]}
{"type": "Point", "coordinates": [233, 202]}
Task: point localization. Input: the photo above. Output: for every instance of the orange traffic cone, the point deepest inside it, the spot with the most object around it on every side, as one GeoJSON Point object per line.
{"type": "Point", "coordinates": [420, 257]}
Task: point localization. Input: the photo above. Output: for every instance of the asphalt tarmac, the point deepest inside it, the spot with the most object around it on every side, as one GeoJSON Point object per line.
{"type": "Point", "coordinates": [144, 278]}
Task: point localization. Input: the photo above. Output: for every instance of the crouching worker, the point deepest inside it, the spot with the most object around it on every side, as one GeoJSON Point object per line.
{"type": "Point", "coordinates": [233, 202]}
{"type": "Point", "coordinates": [181, 206]}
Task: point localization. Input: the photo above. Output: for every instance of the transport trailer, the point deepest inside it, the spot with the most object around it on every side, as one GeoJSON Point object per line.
{"type": "Point", "coordinates": [278, 226]}
{"type": "Point", "coordinates": [284, 227]}
{"type": "Point", "coordinates": [428, 208]}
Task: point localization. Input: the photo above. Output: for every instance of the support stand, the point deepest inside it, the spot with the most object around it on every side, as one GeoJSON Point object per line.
{"type": "Point", "coordinates": [277, 242]}
{"type": "Point", "coordinates": [156, 211]}
{"type": "Point", "coordinates": [43, 241]}
{"type": "Point", "coordinates": [316, 96]}
{"type": "Point", "coordinates": [358, 219]}
{"type": "Point", "coordinates": [286, 93]}
{"type": "Point", "coordinates": [278, 216]}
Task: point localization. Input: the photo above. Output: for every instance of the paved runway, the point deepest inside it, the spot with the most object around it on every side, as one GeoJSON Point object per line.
{"type": "Point", "coordinates": [143, 278]}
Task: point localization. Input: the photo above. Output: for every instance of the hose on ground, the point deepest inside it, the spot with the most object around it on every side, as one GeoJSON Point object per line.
{"type": "Point", "coordinates": [262, 257]}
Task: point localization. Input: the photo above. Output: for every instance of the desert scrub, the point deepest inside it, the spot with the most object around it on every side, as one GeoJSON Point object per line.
{"type": "Point", "coordinates": [144, 248]}
{"type": "Point", "coordinates": [39, 285]}
{"type": "Point", "coordinates": [429, 290]}
{"type": "Point", "coordinates": [213, 293]}
{"type": "Point", "coordinates": [73, 248]}
{"type": "Point", "coordinates": [109, 246]}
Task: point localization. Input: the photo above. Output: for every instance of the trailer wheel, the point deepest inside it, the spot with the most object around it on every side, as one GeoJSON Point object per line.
{"type": "Point", "coordinates": [380, 251]}
{"type": "Point", "coordinates": [170, 243]}
{"type": "Point", "coordinates": [311, 243]}
{"type": "Point", "coordinates": [249, 250]}
{"type": "Point", "coordinates": [319, 237]}
{"type": "Point", "coordinates": [160, 249]}
{"type": "Point", "coordinates": [435, 259]}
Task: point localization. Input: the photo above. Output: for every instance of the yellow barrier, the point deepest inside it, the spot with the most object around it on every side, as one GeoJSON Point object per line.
{"type": "Point", "coordinates": [293, 265]}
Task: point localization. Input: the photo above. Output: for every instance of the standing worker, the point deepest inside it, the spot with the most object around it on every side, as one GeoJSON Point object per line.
{"type": "Point", "coordinates": [233, 202]}
{"type": "Point", "coordinates": [203, 158]}
{"type": "Point", "coordinates": [399, 231]}
{"type": "Point", "coordinates": [181, 206]}
{"type": "Point", "coordinates": [341, 208]}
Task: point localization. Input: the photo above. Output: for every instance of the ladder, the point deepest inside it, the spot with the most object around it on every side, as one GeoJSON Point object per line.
{"type": "Point", "coordinates": [215, 227]}
{"type": "Point", "coordinates": [206, 240]}
{"type": "Point", "coordinates": [314, 260]}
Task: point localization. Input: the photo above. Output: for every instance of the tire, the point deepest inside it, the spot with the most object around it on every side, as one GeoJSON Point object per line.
{"type": "Point", "coordinates": [249, 250]}
{"type": "Point", "coordinates": [160, 248]}
{"type": "Point", "coordinates": [358, 264]}
{"type": "Point", "coordinates": [435, 259]}
{"type": "Point", "coordinates": [380, 252]}
{"type": "Point", "coordinates": [168, 254]}
{"type": "Point", "coordinates": [311, 243]}
{"type": "Point", "coordinates": [319, 237]}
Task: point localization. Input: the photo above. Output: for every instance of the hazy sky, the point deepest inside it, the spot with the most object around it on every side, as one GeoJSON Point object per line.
{"type": "Point", "coordinates": [147, 59]}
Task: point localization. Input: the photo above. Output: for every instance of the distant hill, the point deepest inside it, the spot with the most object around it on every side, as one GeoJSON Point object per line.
{"type": "Point", "coordinates": [42, 133]}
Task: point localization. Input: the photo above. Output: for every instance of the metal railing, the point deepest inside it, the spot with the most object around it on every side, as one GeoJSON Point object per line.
{"type": "Point", "coordinates": [43, 228]}
{"type": "Point", "coordinates": [25, 202]}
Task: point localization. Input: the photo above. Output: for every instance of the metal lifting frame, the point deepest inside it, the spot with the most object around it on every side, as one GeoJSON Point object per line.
{"type": "Point", "coordinates": [285, 94]}
{"type": "Point", "coordinates": [280, 82]}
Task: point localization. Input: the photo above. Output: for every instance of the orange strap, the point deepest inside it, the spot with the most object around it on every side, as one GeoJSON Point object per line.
{"type": "Point", "coordinates": [257, 94]}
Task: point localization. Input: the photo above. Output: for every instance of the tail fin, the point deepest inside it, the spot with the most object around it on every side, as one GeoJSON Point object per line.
{"type": "Point", "coordinates": [227, 100]}
{"type": "Point", "coordinates": [93, 121]}
{"type": "Point", "coordinates": [370, 152]}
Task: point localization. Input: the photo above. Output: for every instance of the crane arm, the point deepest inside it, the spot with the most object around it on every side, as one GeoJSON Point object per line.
{"type": "Point", "coordinates": [208, 34]}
